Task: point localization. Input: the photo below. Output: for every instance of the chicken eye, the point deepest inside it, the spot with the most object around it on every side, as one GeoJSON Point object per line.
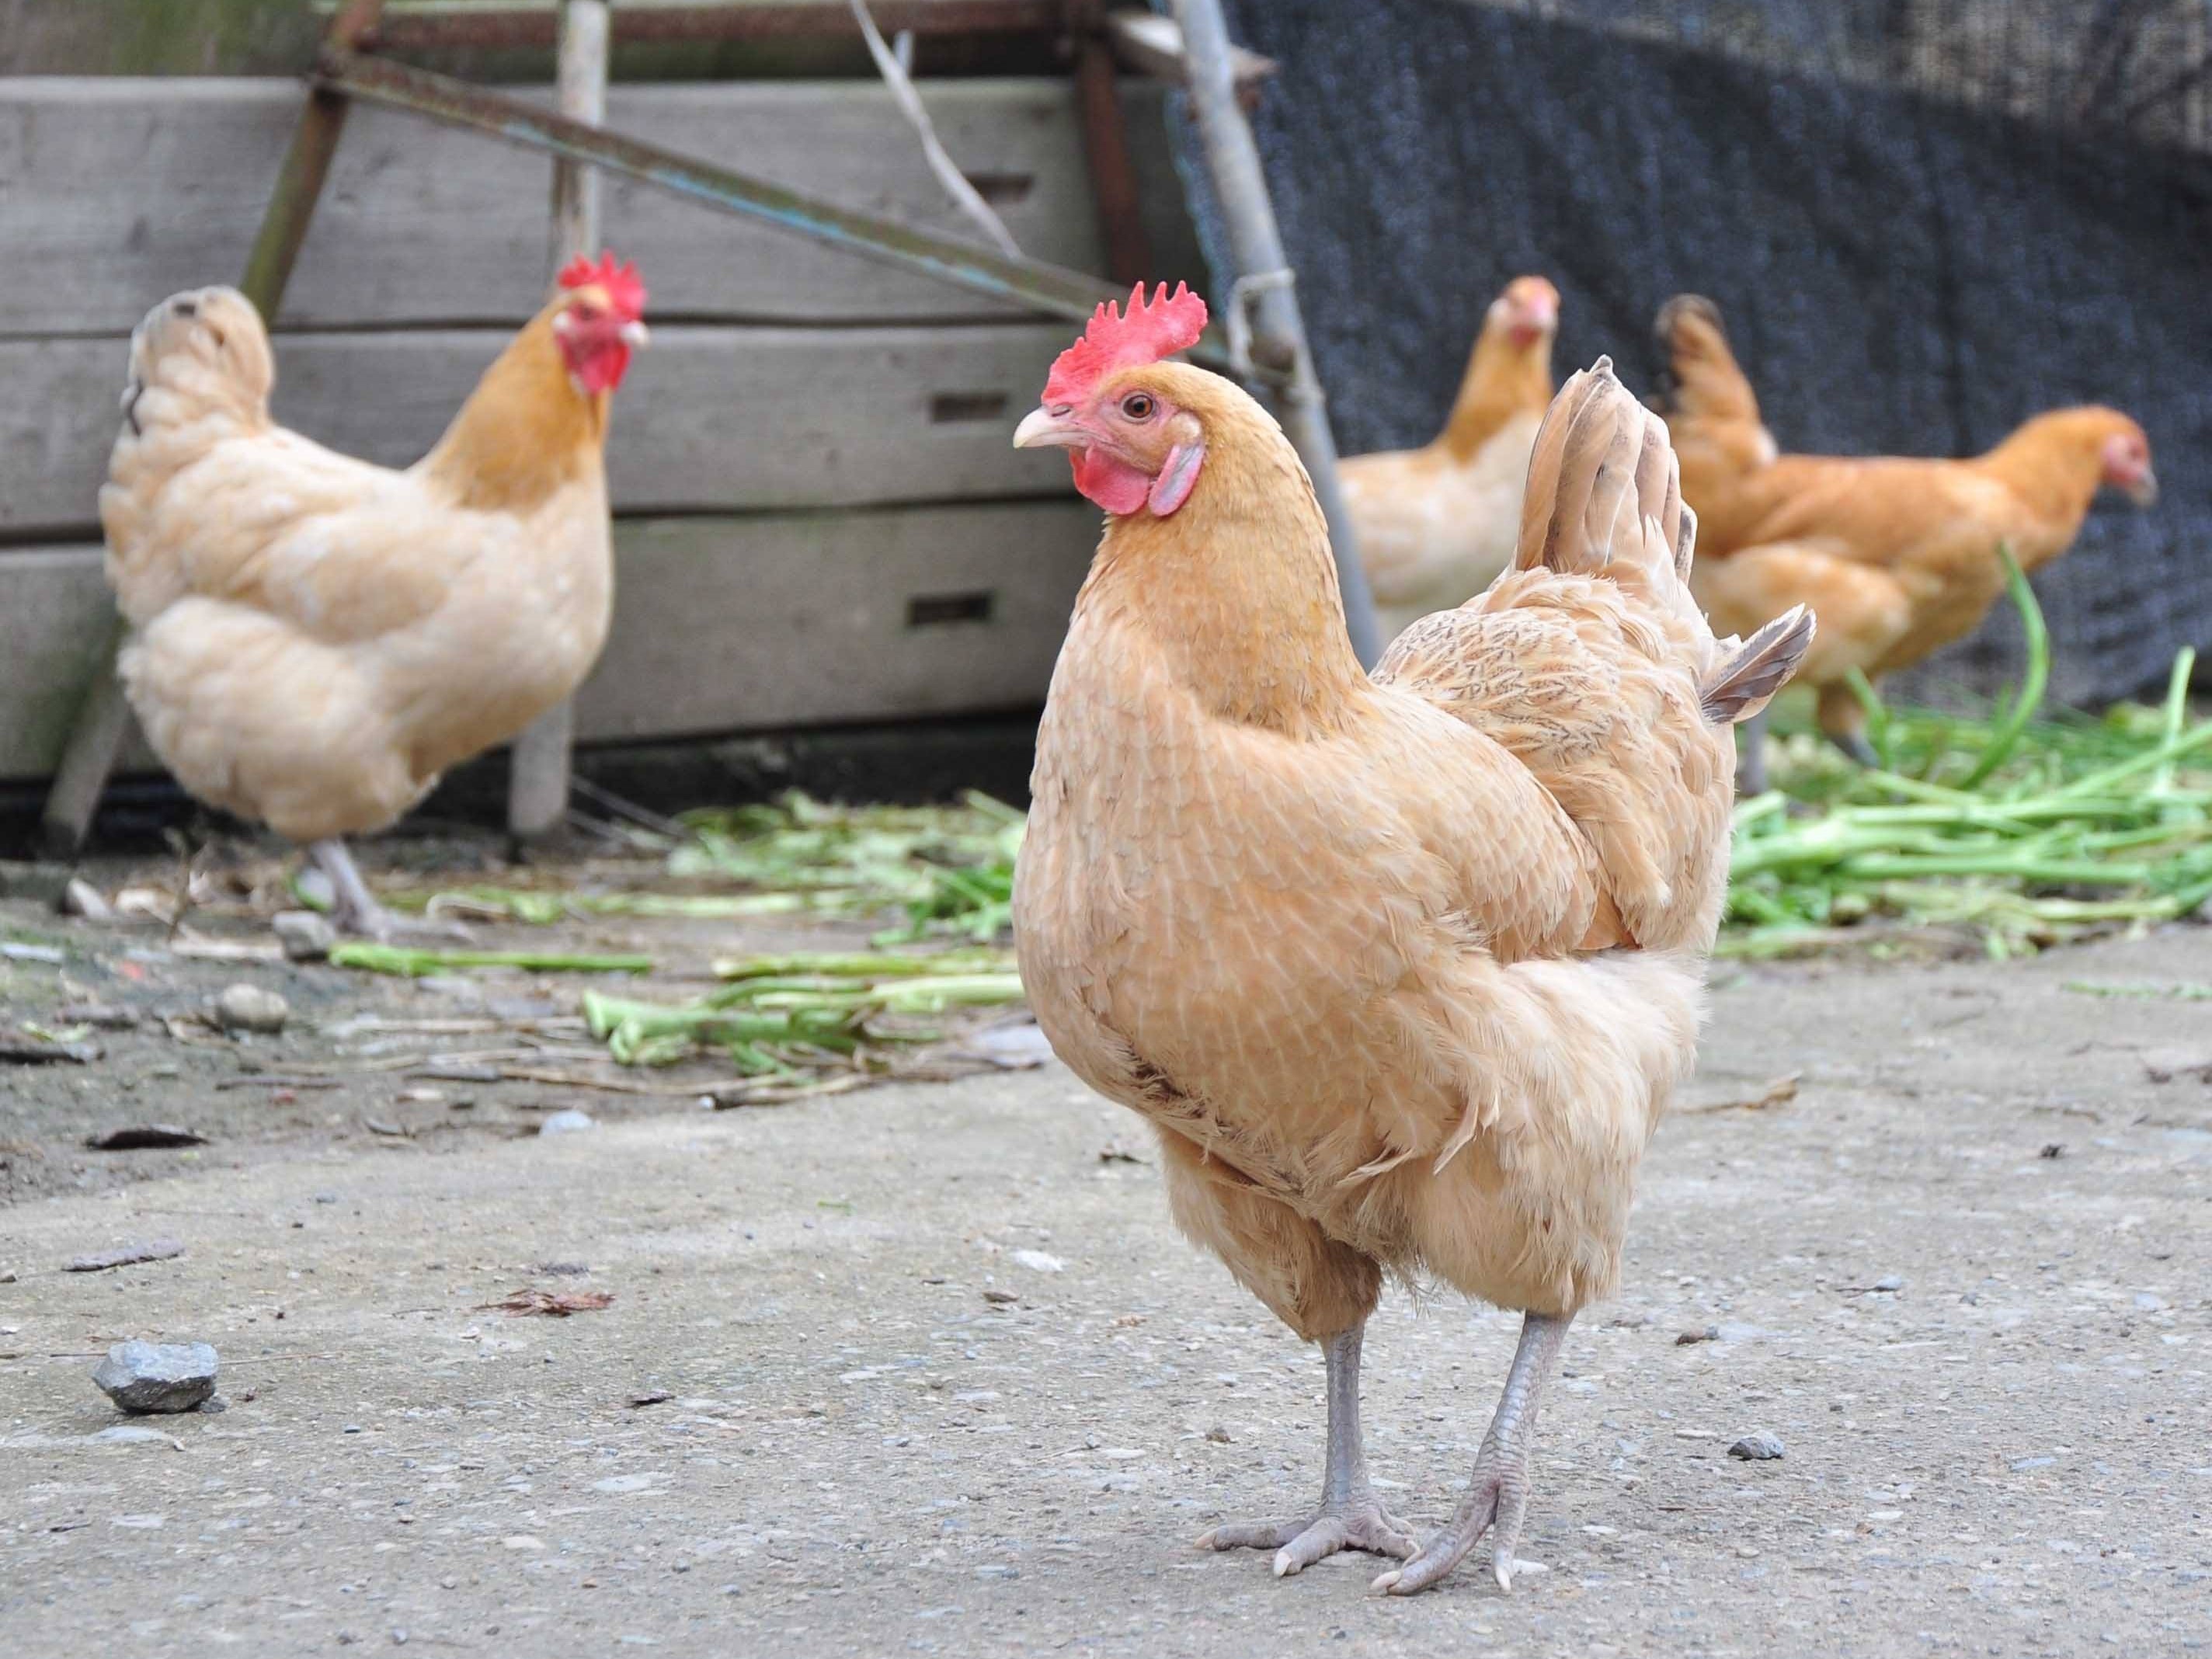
{"type": "Point", "coordinates": [1138, 406]}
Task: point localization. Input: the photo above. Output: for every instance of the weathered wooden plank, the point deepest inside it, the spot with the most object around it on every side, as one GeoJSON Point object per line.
{"type": "Point", "coordinates": [721, 624]}
{"type": "Point", "coordinates": [124, 191]}
{"type": "Point", "coordinates": [57, 624]}
{"type": "Point", "coordinates": [711, 418]}
{"type": "Point", "coordinates": [803, 619]}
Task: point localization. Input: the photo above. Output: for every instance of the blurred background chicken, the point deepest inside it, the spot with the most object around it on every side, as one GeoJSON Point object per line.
{"type": "Point", "coordinates": [1897, 558]}
{"type": "Point", "coordinates": [1402, 968]}
{"type": "Point", "coordinates": [313, 640]}
{"type": "Point", "coordinates": [1435, 525]}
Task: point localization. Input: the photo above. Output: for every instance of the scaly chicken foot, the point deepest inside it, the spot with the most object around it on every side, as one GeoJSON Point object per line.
{"type": "Point", "coordinates": [353, 908]}
{"type": "Point", "coordinates": [1350, 1517]}
{"type": "Point", "coordinates": [1497, 1497]}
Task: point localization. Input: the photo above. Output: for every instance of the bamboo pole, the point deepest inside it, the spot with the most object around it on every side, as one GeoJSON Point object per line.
{"type": "Point", "coordinates": [1262, 273]}
{"type": "Point", "coordinates": [538, 781]}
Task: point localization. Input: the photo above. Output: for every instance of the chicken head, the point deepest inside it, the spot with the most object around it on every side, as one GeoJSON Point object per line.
{"type": "Point", "coordinates": [1131, 447]}
{"type": "Point", "coordinates": [600, 322]}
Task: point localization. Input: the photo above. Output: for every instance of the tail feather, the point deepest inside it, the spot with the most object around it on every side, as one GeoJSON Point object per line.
{"type": "Point", "coordinates": [1756, 668]}
{"type": "Point", "coordinates": [1603, 498]}
{"type": "Point", "coordinates": [1698, 374]}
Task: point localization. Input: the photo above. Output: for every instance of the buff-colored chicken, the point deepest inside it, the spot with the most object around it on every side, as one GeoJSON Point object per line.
{"type": "Point", "coordinates": [1896, 557]}
{"type": "Point", "coordinates": [313, 639]}
{"type": "Point", "coordinates": [1402, 968]}
{"type": "Point", "coordinates": [1436, 525]}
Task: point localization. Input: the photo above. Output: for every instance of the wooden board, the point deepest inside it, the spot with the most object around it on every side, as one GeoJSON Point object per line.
{"type": "Point", "coordinates": [721, 624]}
{"type": "Point", "coordinates": [117, 192]}
{"type": "Point", "coordinates": [710, 419]}
{"type": "Point", "coordinates": [55, 620]}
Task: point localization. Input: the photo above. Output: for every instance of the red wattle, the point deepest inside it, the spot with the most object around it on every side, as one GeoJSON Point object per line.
{"type": "Point", "coordinates": [598, 363]}
{"type": "Point", "coordinates": [1115, 485]}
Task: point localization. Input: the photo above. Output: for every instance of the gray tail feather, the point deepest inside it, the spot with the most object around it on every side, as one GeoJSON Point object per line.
{"type": "Point", "coordinates": [1758, 668]}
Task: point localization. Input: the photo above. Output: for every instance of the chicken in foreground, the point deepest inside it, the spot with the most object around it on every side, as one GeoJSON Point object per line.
{"type": "Point", "coordinates": [1897, 558]}
{"type": "Point", "coordinates": [1436, 525]}
{"type": "Point", "coordinates": [313, 640]}
{"type": "Point", "coordinates": [1402, 968]}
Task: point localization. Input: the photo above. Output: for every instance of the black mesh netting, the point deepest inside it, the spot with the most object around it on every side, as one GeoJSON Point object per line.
{"type": "Point", "coordinates": [1923, 221]}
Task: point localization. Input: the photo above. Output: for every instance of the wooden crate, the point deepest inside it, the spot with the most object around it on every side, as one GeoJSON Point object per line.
{"type": "Point", "coordinates": [822, 518]}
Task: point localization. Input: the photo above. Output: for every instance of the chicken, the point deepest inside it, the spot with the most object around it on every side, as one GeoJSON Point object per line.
{"type": "Point", "coordinates": [1896, 557]}
{"type": "Point", "coordinates": [313, 640]}
{"type": "Point", "coordinates": [1402, 968]}
{"type": "Point", "coordinates": [1435, 525]}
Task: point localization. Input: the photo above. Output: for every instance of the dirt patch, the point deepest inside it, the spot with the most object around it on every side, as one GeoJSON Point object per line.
{"type": "Point", "coordinates": [420, 1065]}
{"type": "Point", "coordinates": [926, 1368]}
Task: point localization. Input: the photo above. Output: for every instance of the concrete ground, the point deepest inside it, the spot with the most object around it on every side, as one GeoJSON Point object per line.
{"type": "Point", "coordinates": [929, 1372]}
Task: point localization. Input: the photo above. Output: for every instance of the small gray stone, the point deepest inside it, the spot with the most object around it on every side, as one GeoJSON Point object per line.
{"type": "Point", "coordinates": [305, 936]}
{"type": "Point", "coordinates": [567, 1123]}
{"type": "Point", "coordinates": [244, 1007]}
{"type": "Point", "coordinates": [1758, 1448]}
{"type": "Point", "coordinates": [157, 1376]}
{"type": "Point", "coordinates": [1889, 1282]}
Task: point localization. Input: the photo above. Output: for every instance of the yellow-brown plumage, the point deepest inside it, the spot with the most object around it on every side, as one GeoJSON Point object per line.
{"type": "Point", "coordinates": [313, 639]}
{"type": "Point", "coordinates": [1436, 525]}
{"type": "Point", "coordinates": [1341, 937]}
{"type": "Point", "coordinates": [1897, 557]}
{"type": "Point", "coordinates": [1404, 967]}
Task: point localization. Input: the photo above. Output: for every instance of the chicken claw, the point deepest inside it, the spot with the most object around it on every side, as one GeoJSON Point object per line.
{"type": "Point", "coordinates": [1359, 1524]}
{"type": "Point", "coordinates": [1497, 1497]}
{"type": "Point", "coordinates": [354, 910]}
{"type": "Point", "coordinates": [1350, 1517]}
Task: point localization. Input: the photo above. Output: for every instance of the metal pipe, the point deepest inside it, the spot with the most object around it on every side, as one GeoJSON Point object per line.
{"type": "Point", "coordinates": [1106, 146]}
{"type": "Point", "coordinates": [537, 771]}
{"type": "Point", "coordinates": [429, 30]}
{"type": "Point", "coordinates": [1050, 290]}
{"type": "Point", "coordinates": [1279, 330]}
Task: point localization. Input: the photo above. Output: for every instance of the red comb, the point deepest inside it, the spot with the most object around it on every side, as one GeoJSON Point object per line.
{"type": "Point", "coordinates": [1141, 334]}
{"type": "Point", "coordinates": [625, 289]}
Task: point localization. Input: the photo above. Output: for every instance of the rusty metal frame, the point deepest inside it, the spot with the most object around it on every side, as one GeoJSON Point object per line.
{"type": "Point", "coordinates": [1049, 289]}
{"type": "Point", "coordinates": [526, 26]}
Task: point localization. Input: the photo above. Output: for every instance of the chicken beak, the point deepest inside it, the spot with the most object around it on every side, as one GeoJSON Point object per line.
{"type": "Point", "coordinates": [2144, 489]}
{"type": "Point", "coordinates": [1052, 426]}
{"type": "Point", "coordinates": [636, 334]}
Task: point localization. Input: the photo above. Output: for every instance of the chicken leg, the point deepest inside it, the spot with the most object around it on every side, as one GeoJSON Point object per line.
{"type": "Point", "coordinates": [1497, 1496]}
{"type": "Point", "coordinates": [1855, 744]}
{"type": "Point", "coordinates": [1350, 1517]}
{"type": "Point", "coordinates": [354, 910]}
{"type": "Point", "coordinates": [1751, 760]}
